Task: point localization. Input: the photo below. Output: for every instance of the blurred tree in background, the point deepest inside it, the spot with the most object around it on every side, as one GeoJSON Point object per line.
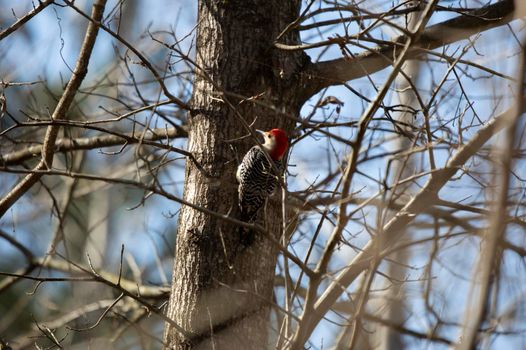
{"type": "Point", "coordinates": [400, 223]}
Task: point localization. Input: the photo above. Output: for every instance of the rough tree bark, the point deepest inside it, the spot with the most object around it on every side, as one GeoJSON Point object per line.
{"type": "Point", "coordinates": [220, 293]}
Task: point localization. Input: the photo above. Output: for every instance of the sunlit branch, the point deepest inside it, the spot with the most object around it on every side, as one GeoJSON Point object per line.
{"type": "Point", "coordinates": [336, 72]}
{"type": "Point", "coordinates": [64, 145]}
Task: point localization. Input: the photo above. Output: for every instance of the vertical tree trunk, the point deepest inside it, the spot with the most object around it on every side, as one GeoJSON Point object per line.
{"type": "Point", "coordinates": [390, 338]}
{"type": "Point", "coordinates": [220, 296]}
{"type": "Point", "coordinates": [394, 311]}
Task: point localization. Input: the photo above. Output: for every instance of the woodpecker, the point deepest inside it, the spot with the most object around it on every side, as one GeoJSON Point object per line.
{"type": "Point", "coordinates": [257, 178]}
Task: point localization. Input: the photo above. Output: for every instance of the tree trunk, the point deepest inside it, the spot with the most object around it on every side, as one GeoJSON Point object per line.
{"type": "Point", "coordinates": [220, 293]}
{"type": "Point", "coordinates": [394, 311]}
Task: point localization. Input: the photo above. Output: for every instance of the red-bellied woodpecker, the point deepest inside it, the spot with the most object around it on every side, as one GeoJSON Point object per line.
{"type": "Point", "coordinates": [256, 176]}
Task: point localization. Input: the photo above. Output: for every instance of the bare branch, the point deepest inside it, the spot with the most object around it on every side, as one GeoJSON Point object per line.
{"type": "Point", "coordinates": [489, 261]}
{"type": "Point", "coordinates": [64, 145]}
{"type": "Point", "coordinates": [338, 71]}
{"type": "Point", "coordinates": [20, 22]}
{"type": "Point", "coordinates": [303, 330]}
{"type": "Point", "coordinates": [81, 69]}
{"type": "Point", "coordinates": [425, 198]}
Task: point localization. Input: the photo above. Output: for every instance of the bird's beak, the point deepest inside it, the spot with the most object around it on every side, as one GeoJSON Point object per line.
{"type": "Point", "coordinates": [262, 133]}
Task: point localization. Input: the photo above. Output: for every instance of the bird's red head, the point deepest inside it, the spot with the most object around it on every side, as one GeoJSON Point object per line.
{"type": "Point", "coordinates": [276, 143]}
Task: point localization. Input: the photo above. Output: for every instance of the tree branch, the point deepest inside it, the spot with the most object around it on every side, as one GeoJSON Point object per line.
{"type": "Point", "coordinates": [392, 230]}
{"type": "Point", "coordinates": [318, 76]}
{"type": "Point", "coordinates": [79, 73]}
{"type": "Point", "coordinates": [36, 10]}
{"type": "Point", "coordinates": [303, 332]}
{"type": "Point", "coordinates": [489, 258]}
{"type": "Point", "coordinates": [137, 53]}
{"type": "Point", "coordinates": [65, 145]}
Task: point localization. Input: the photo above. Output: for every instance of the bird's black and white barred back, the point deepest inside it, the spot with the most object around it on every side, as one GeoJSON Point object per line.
{"type": "Point", "coordinates": [257, 180]}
